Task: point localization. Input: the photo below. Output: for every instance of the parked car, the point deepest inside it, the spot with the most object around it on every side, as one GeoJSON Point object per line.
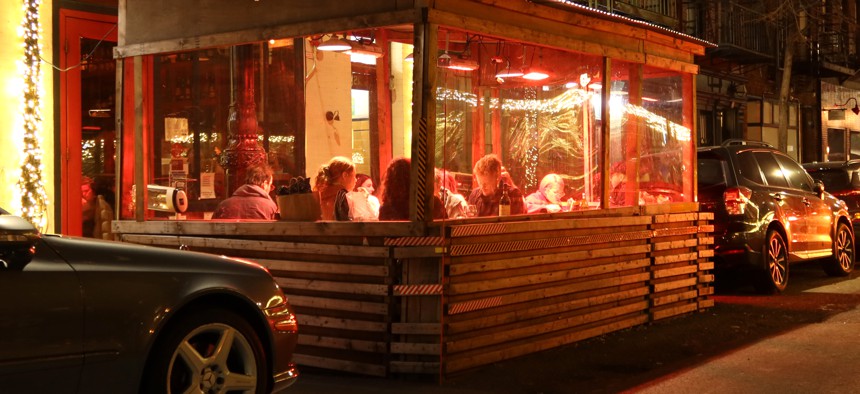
{"type": "Point", "coordinates": [769, 213]}
{"type": "Point", "coordinates": [83, 316]}
{"type": "Point", "coordinates": [842, 179]}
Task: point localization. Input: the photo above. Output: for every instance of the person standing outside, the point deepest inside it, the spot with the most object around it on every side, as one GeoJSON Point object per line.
{"type": "Point", "coordinates": [251, 200]}
{"type": "Point", "coordinates": [488, 173]}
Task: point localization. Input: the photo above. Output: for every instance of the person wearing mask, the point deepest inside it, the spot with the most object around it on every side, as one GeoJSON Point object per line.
{"type": "Point", "coordinates": [395, 192]}
{"type": "Point", "coordinates": [488, 174]}
{"type": "Point", "coordinates": [334, 181]}
{"type": "Point", "coordinates": [251, 200]}
{"type": "Point", "coordinates": [547, 199]}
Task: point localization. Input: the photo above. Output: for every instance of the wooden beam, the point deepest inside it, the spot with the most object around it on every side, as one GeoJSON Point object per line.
{"type": "Point", "coordinates": [319, 302]}
{"type": "Point", "coordinates": [259, 34]}
{"type": "Point", "coordinates": [325, 268]}
{"type": "Point", "coordinates": [238, 229]}
{"type": "Point", "coordinates": [331, 286]}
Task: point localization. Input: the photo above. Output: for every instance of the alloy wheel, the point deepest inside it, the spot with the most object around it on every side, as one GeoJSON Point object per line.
{"type": "Point", "coordinates": [777, 261]}
{"type": "Point", "coordinates": [214, 358]}
{"type": "Point", "coordinates": [845, 249]}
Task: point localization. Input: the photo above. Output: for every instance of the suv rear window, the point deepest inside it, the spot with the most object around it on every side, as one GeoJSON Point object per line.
{"type": "Point", "coordinates": [710, 172]}
{"type": "Point", "coordinates": [749, 167]}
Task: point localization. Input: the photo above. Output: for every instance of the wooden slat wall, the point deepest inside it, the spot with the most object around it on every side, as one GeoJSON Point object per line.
{"type": "Point", "coordinates": [476, 291]}
{"type": "Point", "coordinates": [514, 288]}
{"type": "Point", "coordinates": [341, 291]}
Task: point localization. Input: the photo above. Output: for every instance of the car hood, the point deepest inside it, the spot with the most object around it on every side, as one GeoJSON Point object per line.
{"type": "Point", "coordinates": [122, 256]}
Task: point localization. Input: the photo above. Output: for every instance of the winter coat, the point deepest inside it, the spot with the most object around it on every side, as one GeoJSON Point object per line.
{"type": "Point", "coordinates": [247, 202]}
{"type": "Point", "coordinates": [334, 203]}
{"type": "Point", "coordinates": [489, 206]}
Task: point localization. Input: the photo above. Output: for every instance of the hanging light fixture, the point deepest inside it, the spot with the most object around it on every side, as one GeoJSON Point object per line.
{"type": "Point", "coordinates": [335, 44]}
{"type": "Point", "coordinates": [506, 71]}
{"type": "Point", "coordinates": [364, 50]}
{"type": "Point", "coordinates": [456, 62]}
{"type": "Point", "coordinates": [536, 73]}
{"type": "Point", "coordinates": [461, 64]}
{"type": "Point", "coordinates": [509, 73]}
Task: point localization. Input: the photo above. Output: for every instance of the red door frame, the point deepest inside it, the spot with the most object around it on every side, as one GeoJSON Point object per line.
{"type": "Point", "coordinates": [74, 25]}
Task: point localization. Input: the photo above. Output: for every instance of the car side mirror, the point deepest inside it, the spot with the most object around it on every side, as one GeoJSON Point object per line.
{"type": "Point", "coordinates": [17, 241]}
{"type": "Point", "coordinates": [819, 188]}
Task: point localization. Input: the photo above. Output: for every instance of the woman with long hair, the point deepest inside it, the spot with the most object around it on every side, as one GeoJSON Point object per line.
{"type": "Point", "coordinates": [395, 192]}
{"type": "Point", "coordinates": [333, 182]}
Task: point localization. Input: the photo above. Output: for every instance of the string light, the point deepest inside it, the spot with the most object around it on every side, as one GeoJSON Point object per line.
{"type": "Point", "coordinates": [660, 124]}
{"type": "Point", "coordinates": [34, 200]}
{"type": "Point", "coordinates": [531, 119]}
{"type": "Point", "coordinates": [566, 100]}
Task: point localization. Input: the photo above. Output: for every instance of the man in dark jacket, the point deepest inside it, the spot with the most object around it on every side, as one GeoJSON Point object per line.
{"type": "Point", "coordinates": [251, 200]}
{"type": "Point", "coordinates": [488, 173]}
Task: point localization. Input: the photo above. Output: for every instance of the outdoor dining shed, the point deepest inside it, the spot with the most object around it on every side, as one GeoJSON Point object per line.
{"type": "Point", "coordinates": [603, 104]}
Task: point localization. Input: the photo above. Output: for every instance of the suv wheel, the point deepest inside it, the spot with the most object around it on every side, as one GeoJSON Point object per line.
{"type": "Point", "coordinates": [842, 262]}
{"type": "Point", "coordinates": [774, 279]}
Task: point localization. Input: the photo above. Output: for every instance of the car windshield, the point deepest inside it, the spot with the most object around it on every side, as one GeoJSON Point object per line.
{"type": "Point", "coordinates": [710, 172]}
{"type": "Point", "coordinates": [837, 179]}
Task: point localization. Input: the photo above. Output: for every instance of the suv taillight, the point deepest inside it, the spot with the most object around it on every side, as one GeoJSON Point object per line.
{"type": "Point", "coordinates": [736, 199]}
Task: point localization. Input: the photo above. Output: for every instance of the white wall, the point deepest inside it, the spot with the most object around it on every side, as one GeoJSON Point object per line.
{"type": "Point", "coordinates": [328, 88]}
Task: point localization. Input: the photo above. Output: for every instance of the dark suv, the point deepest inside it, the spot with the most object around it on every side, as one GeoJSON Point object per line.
{"type": "Point", "coordinates": [768, 213]}
{"type": "Point", "coordinates": [842, 179]}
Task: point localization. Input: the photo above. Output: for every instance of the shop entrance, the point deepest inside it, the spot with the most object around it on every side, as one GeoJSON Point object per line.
{"type": "Point", "coordinates": [87, 126]}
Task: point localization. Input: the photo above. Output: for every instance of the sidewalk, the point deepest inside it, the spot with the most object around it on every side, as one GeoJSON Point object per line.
{"type": "Point", "coordinates": [794, 343]}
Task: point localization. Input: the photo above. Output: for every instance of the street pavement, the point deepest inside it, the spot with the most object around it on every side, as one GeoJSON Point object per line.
{"type": "Point", "coordinates": [811, 356]}
{"type": "Point", "coordinates": [816, 358]}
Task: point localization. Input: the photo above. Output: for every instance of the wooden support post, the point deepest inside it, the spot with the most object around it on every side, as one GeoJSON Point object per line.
{"type": "Point", "coordinates": [632, 134]}
{"type": "Point", "coordinates": [423, 123]}
{"type": "Point", "coordinates": [119, 96]}
{"type": "Point", "coordinates": [140, 203]}
{"type": "Point", "coordinates": [691, 116]}
{"type": "Point", "coordinates": [604, 133]}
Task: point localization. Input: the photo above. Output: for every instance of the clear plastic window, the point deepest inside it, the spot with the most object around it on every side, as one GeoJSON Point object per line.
{"type": "Point", "coordinates": [534, 109]}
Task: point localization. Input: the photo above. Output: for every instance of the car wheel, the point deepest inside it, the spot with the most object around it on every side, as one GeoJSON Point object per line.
{"type": "Point", "coordinates": [842, 262]}
{"type": "Point", "coordinates": [775, 276]}
{"type": "Point", "coordinates": [210, 351]}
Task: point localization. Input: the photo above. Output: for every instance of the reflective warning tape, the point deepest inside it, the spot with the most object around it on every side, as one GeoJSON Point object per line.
{"type": "Point", "coordinates": [413, 290]}
{"type": "Point", "coordinates": [668, 232]}
{"type": "Point", "coordinates": [468, 306]}
{"type": "Point", "coordinates": [415, 241]}
{"type": "Point", "coordinates": [478, 229]}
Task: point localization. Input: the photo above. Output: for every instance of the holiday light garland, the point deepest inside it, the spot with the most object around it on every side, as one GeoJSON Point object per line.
{"type": "Point", "coordinates": [34, 200]}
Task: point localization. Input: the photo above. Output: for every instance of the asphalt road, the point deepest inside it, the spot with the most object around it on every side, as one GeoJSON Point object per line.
{"type": "Point", "coordinates": [804, 341]}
